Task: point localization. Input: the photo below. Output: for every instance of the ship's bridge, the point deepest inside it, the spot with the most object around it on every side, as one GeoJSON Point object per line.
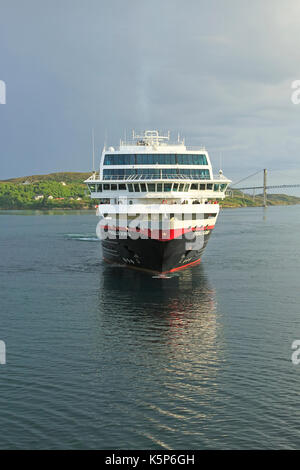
{"type": "Point", "coordinates": [149, 163]}
{"type": "Point", "coordinates": [151, 156]}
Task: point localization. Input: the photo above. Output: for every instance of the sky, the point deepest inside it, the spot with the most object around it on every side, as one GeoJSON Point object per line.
{"type": "Point", "coordinates": [219, 72]}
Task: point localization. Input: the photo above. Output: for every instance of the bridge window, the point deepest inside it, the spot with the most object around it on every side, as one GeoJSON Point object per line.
{"type": "Point", "coordinates": [151, 187]}
{"type": "Point", "coordinates": [156, 173]}
{"type": "Point", "coordinates": [122, 187]}
{"type": "Point", "coordinates": [159, 187]}
{"type": "Point", "coordinates": [106, 187]}
{"type": "Point", "coordinates": [156, 158]}
{"type": "Point", "coordinates": [192, 159]}
{"type": "Point", "coordinates": [108, 160]}
{"type": "Point", "coordinates": [119, 159]}
{"type": "Point", "coordinates": [137, 188]}
{"type": "Point", "coordinates": [167, 187]}
{"type": "Point", "coordinates": [216, 187]}
{"type": "Point", "coordinates": [209, 186]}
{"type": "Point", "coordinates": [143, 188]}
{"type": "Point", "coordinates": [170, 160]}
{"type": "Point", "coordinates": [201, 173]}
{"type": "Point", "coordinates": [130, 188]}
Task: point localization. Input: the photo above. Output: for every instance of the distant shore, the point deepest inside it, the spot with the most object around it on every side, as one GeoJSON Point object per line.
{"type": "Point", "coordinates": [67, 191]}
{"type": "Point", "coordinates": [91, 208]}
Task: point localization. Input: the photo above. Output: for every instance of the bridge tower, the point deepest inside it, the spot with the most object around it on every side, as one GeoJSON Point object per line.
{"type": "Point", "coordinates": [265, 187]}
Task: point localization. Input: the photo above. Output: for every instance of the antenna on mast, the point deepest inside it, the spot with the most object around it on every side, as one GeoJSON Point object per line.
{"type": "Point", "coordinates": [105, 139]}
{"type": "Point", "coordinates": [93, 149]}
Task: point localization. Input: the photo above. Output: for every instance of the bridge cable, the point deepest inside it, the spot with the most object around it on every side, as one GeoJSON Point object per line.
{"type": "Point", "coordinates": [259, 171]}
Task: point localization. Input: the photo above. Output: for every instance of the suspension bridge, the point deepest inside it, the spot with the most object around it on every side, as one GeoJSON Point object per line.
{"type": "Point", "coordinates": [264, 187]}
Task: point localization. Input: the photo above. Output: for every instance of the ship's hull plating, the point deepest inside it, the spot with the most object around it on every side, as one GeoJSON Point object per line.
{"type": "Point", "coordinates": [156, 255]}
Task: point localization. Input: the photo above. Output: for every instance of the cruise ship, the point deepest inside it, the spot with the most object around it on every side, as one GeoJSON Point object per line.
{"type": "Point", "coordinates": [157, 202]}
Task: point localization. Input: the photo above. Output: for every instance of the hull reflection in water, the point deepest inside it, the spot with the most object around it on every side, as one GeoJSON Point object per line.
{"type": "Point", "coordinates": [162, 331]}
{"type": "Point", "coordinates": [182, 303]}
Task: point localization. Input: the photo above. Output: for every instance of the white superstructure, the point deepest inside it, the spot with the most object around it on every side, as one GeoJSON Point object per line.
{"type": "Point", "coordinates": [149, 175]}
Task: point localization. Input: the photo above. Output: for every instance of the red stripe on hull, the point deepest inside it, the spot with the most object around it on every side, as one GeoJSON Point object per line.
{"type": "Point", "coordinates": [193, 263]}
{"type": "Point", "coordinates": [182, 267]}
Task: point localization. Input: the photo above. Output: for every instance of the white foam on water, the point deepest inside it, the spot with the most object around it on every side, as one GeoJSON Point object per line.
{"type": "Point", "coordinates": [82, 237]}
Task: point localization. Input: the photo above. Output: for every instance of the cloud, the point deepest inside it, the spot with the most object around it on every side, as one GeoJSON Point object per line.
{"type": "Point", "coordinates": [219, 73]}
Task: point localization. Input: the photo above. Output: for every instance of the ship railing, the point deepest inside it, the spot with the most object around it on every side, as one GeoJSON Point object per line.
{"type": "Point", "coordinates": [153, 177]}
{"type": "Point", "coordinates": [216, 178]}
{"type": "Point", "coordinates": [94, 177]}
{"type": "Point", "coordinates": [200, 148]}
{"type": "Point", "coordinates": [220, 178]}
{"type": "Point", "coordinates": [150, 143]}
{"type": "Point", "coordinates": [162, 208]}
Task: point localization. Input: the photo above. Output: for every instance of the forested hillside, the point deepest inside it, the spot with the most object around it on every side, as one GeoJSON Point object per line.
{"type": "Point", "coordinates": [67, 190]}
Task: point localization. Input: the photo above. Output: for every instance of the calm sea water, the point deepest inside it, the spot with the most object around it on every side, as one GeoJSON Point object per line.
{"type": "Point", "coordinates": [106, 357]}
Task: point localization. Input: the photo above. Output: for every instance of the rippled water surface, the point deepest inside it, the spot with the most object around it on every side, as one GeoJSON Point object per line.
{"type": "Point", "coordinates": [107, 357]}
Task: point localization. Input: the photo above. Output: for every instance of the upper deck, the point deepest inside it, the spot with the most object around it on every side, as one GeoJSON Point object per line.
{"type": "Point", "coordinates": [152, 141]}
{"type": "Point", "coordinates": [151, 158]}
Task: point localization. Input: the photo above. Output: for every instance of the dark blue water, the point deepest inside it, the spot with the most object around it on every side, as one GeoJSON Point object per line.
{"type": "Point", "coordinates": [106, 357]}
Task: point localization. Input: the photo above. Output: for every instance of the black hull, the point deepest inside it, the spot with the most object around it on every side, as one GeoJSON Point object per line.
{"type": "Point", "coordinates": [155, 255]}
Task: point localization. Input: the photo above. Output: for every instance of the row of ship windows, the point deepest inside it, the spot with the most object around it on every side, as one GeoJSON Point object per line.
{"type": "Point", "coordinates": [154, 173]}
{"type": "Point", "coordinates": [160, 218]}
{"type": "Point", "coordinates": [159, 187]}
{"type": "Point", "coordinates": [152, 159]}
